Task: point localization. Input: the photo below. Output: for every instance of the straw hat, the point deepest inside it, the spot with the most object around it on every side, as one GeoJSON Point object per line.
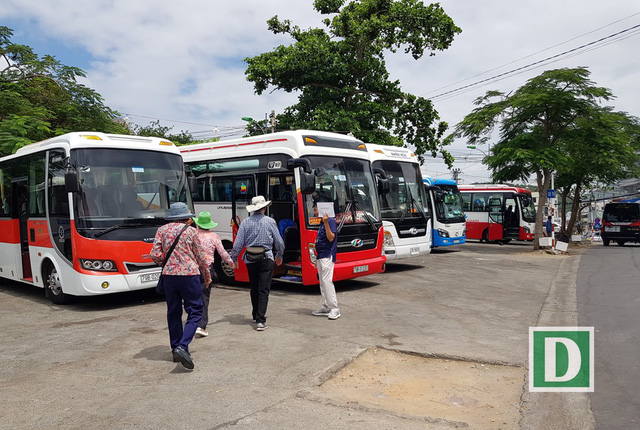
{"type": "Point", "coordinates": [179, 211]}
{"type": "Point", "coordinates": [257, 203]}
{"type": "Point", "coordinates": [203, 220]}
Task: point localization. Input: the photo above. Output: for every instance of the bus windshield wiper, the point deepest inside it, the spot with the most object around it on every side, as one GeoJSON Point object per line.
{"type": "Point", "coordinates": [359, 207]}
{"type": "Point", "coordinates": [118, 226]}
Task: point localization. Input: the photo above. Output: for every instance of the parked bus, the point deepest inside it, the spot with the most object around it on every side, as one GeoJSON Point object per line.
{"type": "Point", "coordinates": [621, 223]}
{"type": "Point", "coordinates": [498, 212]}
{"type": "Point", "coordinates": [293, 170]}
{"type": "Point", "coordinates": [403, 207]}
{"type": "Point", "coordinates": [445, 203]}
{"type": "Point", "coordinates": [80, 212]}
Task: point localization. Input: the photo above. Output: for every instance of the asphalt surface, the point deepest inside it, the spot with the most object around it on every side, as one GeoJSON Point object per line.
{"type": "Point", "coordinates": [104, 362]}
{"type": "Point", "coordinates": [608, 281]}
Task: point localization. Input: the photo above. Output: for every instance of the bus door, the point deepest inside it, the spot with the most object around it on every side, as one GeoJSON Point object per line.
{"type": "Point", "coordinates": [282, 194]}
{"type": "Point", "coordinates": [495, 218]}
{"type": "Point", "coordinates": [511, 219]}
{"type": "Point", "coordinates": [20, 211]}
{"type": "Point", "coordinates": [243, 190]}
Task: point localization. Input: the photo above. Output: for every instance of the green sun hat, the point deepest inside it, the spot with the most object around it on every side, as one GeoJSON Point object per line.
{"type": "Point", "coordinates": [204, 221]}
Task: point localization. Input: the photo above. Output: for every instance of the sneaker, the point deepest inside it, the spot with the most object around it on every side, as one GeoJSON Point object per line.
{"type": "Point", "coordinates": [261, 326]}
{"type": "Point", "coordinates": [321, 312]}
{"type": "Point", "coordinates": [334, 314]}
{"type": "Point", "coordinates": [200, 332]}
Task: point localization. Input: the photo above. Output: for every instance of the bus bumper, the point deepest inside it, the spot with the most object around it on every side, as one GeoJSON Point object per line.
{"type": "Point", "coordinates": [355, 269]}
{"type": "Point", "coordinates": [400, 252]}
{"type": "Point", "coordinates": [116, 283]}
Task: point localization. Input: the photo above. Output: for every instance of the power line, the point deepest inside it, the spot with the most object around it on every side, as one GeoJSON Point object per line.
{"type": "Point", "coordinates": [539, 63]}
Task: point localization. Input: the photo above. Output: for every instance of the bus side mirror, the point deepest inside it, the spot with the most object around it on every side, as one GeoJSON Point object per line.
{"type": "Point", "coordinates": [193, 183]}
{"type": "Point", "coordinates": [307, 183]}
{"type": "Point", "coordinates": [292, 163]}
{"type": "Point", "coordinates": [383, 185]}
{"type": "Point", "coordinates": [71, 181]}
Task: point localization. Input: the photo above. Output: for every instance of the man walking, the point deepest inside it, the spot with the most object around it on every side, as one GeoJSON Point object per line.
{"type": "Point", "coordinates": [259, 234]}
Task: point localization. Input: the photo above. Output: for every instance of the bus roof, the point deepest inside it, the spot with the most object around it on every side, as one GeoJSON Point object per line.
{"type": "Point", "coordinates": [438, 181]}
{"type": "Point", "coordinates": [492, 187]}
{"type": "Point", "coordinates": [295, 143]}
{"type": "Point", "coordinates": [92, 139]}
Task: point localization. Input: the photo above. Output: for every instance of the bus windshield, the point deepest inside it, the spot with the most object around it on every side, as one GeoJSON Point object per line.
{"type": "Point", "coordinates": [349, 184]}
{"type": "Point", "coordinates": [406, 197]}
{"type": "Point", "coordinates": [622, 212]}
{"type": "Point", "coordinates": [122, 184]}
{"type": "Point", "coordinates": [528, 211]}
{"type": "Point", "coordinates": [448, 205]}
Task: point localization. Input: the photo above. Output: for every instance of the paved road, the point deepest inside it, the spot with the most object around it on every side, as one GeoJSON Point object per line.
{"type": "Point", "coordinates": [609, 300]}
{"type": "Point", "coordinates": [105, 363]}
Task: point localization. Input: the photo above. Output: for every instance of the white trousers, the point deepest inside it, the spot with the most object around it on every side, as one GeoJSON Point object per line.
{"type": "Point", "coordinates": [327, 289]}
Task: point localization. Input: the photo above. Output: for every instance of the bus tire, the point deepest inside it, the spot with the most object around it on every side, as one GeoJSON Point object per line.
{"type": "Point", "coordinates": [223, 270]}
{"type": "Point", "coordinates": [605, 242]}
{"type": "Point", "coordinates": [621, 243]}
{"type": "Point", "coordinates": [485, 236]}
{"type": "Point", "coordinates": [53, 286]}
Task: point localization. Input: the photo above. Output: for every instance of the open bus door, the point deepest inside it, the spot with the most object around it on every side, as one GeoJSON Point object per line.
{"type": "Point", "coordinates": [511, 219]}
{"type": "Point", "coordinates": [243, 191]}
{"type": "Point", "coordinates": [495, 219]}
{"type": "Point", "coordinates": [20, 198]}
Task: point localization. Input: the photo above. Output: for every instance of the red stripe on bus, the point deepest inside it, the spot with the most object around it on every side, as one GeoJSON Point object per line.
{"type": "Point", "coordinates": [9, 231]}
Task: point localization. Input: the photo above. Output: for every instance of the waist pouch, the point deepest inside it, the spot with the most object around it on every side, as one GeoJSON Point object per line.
{"type": "Point", "coordinates": [255, 253]}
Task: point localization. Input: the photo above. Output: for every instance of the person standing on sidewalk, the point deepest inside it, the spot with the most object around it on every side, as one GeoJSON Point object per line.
{"type": "Point", "coordinates": [211, 243]}
{"type": "Point", "coordinates": [181, 278]}
{"type": "Point", "coordinates": [326, 250]}
{"type": "Point", "coordinates": [259, 234]}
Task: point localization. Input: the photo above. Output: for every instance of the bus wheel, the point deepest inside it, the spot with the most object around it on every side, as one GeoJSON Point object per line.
{"type": "Point", "coordinates": [621, 243]}
{"type": "Point", "coordinates": [605, 242]}
{"type": "Point", "coordinates": [223, 270]}
{"type": "Point", "coordinates": [54, 287]}
{"type": "Point", "coordinates": [485, 236]}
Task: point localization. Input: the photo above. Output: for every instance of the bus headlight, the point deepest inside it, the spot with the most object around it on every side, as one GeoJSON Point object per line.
{"type": "Point", "coordinates": [99, 265]}
{"type": "Point", "coordinates": [312, 253]}
{"type": "Point", "coordinates": [388, 238]}
{"type": "Point", "coordinates": [443, 233]}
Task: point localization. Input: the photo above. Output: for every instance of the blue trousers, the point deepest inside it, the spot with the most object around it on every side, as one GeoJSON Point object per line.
{"type": "Point", "coordinates": [183, 290]}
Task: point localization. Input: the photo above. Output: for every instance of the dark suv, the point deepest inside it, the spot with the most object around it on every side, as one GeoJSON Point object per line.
{"type": "Point", "coordinates": [621, 223]}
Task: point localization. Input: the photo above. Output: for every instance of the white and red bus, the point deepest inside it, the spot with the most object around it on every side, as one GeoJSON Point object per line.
{"type": "Point", "coordinates": [293, 169]}
{"type": "Point", "coordinates": [404, 208]}
{"type": "Point", "coordinates": [498, 212]}
{"type": "Point", "coordinates": [80, 212]}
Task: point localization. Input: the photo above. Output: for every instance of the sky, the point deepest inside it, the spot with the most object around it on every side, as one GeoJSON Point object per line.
{"type": "Point", "coordinates": [182, 62]}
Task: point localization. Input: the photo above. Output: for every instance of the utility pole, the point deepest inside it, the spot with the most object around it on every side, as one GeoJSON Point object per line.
{"type": "Point", "coordinates": [272, 118]}
{"type": "Point", "coordinates": [455, 173]}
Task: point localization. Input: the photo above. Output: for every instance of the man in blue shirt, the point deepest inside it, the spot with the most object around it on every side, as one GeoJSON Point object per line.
{"type": "Point", "coordinates": [260, 232]}
{"type": "Point", "coordinates": [326, 250]}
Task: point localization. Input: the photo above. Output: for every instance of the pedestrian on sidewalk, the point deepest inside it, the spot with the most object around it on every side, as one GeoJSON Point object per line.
{"type": "Point", "coordinates": [181, 278]}
{"type": "Point", "coordinates": [259, 235]}
{"type": "Point", "coordinates": [211, 243]}
{"type": "Point", "coordinates": [326, 251]}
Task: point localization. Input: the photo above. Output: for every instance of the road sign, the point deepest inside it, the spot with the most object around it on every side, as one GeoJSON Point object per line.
{"type": "Point", "coordinates": [551, 194]}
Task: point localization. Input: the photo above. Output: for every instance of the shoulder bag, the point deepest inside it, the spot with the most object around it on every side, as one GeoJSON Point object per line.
{"type": "Point", "coordinates": [160, 285]}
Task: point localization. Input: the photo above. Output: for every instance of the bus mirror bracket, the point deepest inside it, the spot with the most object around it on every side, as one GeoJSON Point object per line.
{"type": "Point", "coordinates": [381, 180]}
{"type": "Point", "coordinates": [192, 182]}
{"type": "Point", "coordinates": [71, 181]}
{"type": "Point", "coordinates": [299, 162]}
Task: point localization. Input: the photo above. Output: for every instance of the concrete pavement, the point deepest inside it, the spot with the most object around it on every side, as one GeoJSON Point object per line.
{"type": "Point", "coordinates": [105, 362]}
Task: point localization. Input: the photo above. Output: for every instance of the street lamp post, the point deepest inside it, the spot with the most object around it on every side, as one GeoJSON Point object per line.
{"type": "Point", "coordinates": [252, 121]}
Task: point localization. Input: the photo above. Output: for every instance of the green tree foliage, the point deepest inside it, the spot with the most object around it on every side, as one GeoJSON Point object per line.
{"type": "Point", "coordinates": [342, 77]}
{"type": "Point", "coordinates": [41, 98]}
{"type": "Point", "coordinates": [154, 129]}
{"type": "Point", "coordinates": [546, 126]}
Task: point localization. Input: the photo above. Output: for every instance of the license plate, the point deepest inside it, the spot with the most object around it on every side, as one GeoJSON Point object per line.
{"type": "Point", "coordinates": [150, 277]}
{"type": "Point", "coordinates": [614, 229]}
{"type": "Point", "coordinates": [456, 241]}
{"type": "Point", "coordinates": [414, 251]}
{"type": "Point", "coordinates": [294, 272]}
{"type": "Point", "coordinates": [360, 269]}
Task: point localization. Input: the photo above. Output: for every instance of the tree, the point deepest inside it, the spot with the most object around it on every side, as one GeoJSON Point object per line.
{"type": "Point", "coordinates": [41, 98]}
{"type": "Point", "coordinates": [342, 77]}
{"type": "Point", "coordinates": [156, 130]}
{"type": "Point", "coordinates": [535, 127]}
{"type": "Point", "coordinates": [603, 149]}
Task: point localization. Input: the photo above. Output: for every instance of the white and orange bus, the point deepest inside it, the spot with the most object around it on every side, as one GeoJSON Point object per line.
{"type": "Point", "coordinates": [80, 212]}
{"type": "Point", "coordinates": [293, 169]}
{"type": "Point", "coordinates": [498, 212]}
